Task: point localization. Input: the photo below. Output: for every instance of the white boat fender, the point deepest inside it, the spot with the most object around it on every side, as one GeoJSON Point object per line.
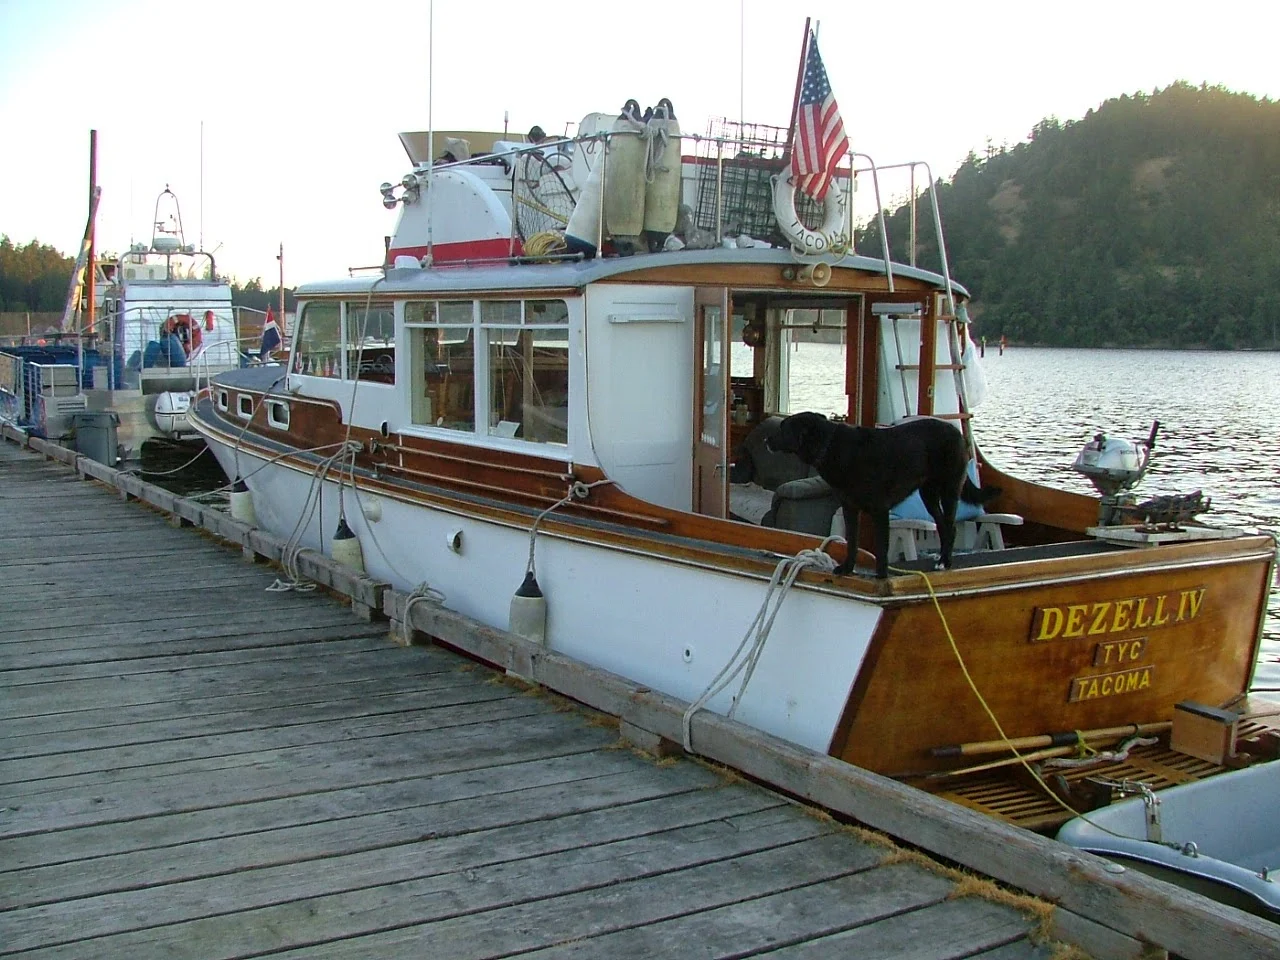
{"type": "Point", "coordinates": [831, 237]}
{"type": "Point", "coordinates": [583, 229]}
{"type": "Point", "coordinates": [242, 503]}
{"type": "Point", "coordinates": [662, 174]}
{"type": "Point", "coordinates": [624, 177]}
{"type": "Point", "coordinates": [346, 547]}
{"type": "Point", "coordinates": [529, 611]}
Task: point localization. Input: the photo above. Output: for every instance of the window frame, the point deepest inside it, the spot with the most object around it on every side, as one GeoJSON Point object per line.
{"type": "Point", "coordinates": [482, 385]}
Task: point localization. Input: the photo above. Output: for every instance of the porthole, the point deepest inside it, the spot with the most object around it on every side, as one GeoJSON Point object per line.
{"type": "Point", "coordinates": [278, 414]}
{"type": "Point", "coordinates": [224, 401]}
{"type": "Point", "coordinates": [244, 405]}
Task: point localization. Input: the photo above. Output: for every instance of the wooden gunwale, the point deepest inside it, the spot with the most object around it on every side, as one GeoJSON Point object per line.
{"type": "Point", "coordinates": [524, 495]}
{"type": "Point", "coordinates": [472, 461]}
{"type": "Point", "coordinates": [715, 544]}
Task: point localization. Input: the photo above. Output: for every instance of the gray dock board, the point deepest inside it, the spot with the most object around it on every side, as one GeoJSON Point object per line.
{"type": "Point", "coordinates": [236, 773]}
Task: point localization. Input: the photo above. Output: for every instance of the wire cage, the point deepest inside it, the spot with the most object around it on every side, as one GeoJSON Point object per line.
{"type": "Point", "coordinates": [736, 165]}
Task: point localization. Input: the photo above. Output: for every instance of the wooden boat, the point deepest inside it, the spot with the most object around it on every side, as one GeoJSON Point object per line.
{"type": "Point", "coordinates": [476, 399]}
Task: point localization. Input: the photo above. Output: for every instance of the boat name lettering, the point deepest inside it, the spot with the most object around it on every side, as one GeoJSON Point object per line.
{"type": "Point", "coordinates": [1110, 684]}
{"type": "Point", "coordinates": [1102, 617]}
{"type": "Point", "coordinates": [1119, 651]}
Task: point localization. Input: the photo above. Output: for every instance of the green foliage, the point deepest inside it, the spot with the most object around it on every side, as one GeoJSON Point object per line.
{"type": "Point", "coordinates": [33, 277]}
{"type": "Point", "coordinates": [252, 295]}
{"type": "Point", "coordinates": [1154, 221]}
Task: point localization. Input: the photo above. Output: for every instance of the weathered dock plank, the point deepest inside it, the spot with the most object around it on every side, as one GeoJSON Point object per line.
{"type": "Point", "coordinates": [231, 773]}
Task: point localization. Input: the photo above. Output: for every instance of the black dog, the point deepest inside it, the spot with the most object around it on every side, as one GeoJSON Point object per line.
{"type": "Point", "coordinates": [873, 469]}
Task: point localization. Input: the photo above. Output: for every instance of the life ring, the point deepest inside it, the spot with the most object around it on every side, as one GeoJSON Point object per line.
{"type": "Point", "coordinates": [831, 237]}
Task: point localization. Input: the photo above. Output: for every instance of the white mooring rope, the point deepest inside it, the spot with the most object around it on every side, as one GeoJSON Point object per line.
{"type": "Point", "coordinates": [748, 653]}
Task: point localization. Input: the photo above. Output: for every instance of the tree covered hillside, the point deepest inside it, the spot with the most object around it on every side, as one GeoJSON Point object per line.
{"type": "Point", "coordinates": [1154, 221]}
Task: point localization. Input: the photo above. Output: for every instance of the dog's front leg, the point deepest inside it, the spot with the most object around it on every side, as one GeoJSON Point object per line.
{"type": "Point", "coordinates": [851, 537]}
{"type": "Point", "coordinates": [881, 518]}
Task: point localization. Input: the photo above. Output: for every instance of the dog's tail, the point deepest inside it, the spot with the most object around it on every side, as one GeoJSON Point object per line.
{"type": "Point", "coordinates": [971, 493]}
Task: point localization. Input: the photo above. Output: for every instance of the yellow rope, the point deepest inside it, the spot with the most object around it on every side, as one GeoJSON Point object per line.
{"type": "Point", "coordinates": [543, 243]}
{"type": "Point", "coordinates": [955, 649]}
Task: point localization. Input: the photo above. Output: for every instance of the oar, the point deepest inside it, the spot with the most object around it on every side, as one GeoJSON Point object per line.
{"type": "Point", "coordinates": [1067, 738]}
{"type": "Point", "coordinates": [1006, 761]}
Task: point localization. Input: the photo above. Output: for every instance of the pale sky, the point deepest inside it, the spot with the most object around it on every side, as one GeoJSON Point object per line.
{"type": "Point", "coordinates": [301, 102]}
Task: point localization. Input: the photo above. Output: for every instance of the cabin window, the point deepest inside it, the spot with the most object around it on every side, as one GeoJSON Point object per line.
{"type": "Point", "coordinates": [442, 360]}
{"type": "Point", "coordinates": [371, 342]}
{"type": "Point", "coordinates": [278, 414]}
{"type": "Point", "coordinates": [810, 363]}
{"type": "Point", "coordinates": [319, 341]}
{"type": "Point", "coordinates": [244, 405]}
{"type": "Point", "coordinates": [223, 401]}
{"type": "Point", "coordinates": [528, 347]}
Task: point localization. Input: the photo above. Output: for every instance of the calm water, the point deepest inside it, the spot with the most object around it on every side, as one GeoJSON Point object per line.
{"type": "Point", "coordinates": [1219, 419]}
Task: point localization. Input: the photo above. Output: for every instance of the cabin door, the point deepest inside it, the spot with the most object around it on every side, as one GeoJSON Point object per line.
{"type": "Point", "coordinates": [711, 401]}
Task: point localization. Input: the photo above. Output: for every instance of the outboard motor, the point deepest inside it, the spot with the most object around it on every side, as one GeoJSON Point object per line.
{"type": "Point", "coordinates": [1115, 467]}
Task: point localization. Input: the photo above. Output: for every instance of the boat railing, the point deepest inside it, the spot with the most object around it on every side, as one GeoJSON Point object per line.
{"type": "Point", "coordinates": [734, 166]}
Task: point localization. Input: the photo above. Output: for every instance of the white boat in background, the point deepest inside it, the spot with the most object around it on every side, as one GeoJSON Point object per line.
{"type": "Point", "coordinates": [1219, 837]}
{"type": "Point", "coordinates": [165, 324]}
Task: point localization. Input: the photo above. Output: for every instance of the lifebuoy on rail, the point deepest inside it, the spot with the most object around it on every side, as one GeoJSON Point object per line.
{"type": "Point", "coordinates": [831, 237]}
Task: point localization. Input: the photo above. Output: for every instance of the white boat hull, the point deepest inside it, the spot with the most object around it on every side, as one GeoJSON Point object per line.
{"type": "Point", "coordinates": [672, 626]}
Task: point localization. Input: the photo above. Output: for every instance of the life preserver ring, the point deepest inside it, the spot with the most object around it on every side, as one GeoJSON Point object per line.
{"type": "Point", "coordinates": [831, 237]}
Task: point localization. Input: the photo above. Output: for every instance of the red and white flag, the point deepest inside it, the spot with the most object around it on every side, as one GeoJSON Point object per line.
{"type": "Point", "coordinates": [820, 141]}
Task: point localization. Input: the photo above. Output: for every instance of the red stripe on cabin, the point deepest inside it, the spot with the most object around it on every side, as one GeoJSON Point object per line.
{"type": "Point", "coordinates": [495, 249]}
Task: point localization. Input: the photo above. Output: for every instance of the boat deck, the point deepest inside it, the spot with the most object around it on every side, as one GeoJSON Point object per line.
{"type": "Point", "coordinates": [194, 767]}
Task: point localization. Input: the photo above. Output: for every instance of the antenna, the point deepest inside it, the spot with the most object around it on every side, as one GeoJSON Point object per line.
{"type": "Point", "coordinates": [742, 69]}
{"type": "Point", "coordinates": [201, 184]}
{"type": "Point", "coordinates": [431, 127]}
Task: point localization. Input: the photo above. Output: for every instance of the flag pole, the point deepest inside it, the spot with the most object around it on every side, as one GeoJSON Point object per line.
{"type": "Point", "coordinates": [280, 322]}
{"type": "Point", "coordinates": [795, 101]}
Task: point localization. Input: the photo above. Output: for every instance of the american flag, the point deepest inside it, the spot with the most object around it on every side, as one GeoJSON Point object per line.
{"type": "Point", "coordinates": [820, 141]}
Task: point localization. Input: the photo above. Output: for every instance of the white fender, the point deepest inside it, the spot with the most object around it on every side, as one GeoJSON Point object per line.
{"type": "Point", "coordinates": [584, 222]}
{"type": "Point", "coordinates": [624, 181]}
{"type": "Point", "coordinates": [662, 191]}
{"type": "Point", "coordinates": [831, 237]}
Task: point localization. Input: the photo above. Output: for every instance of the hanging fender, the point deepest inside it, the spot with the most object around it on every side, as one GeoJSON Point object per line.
{"type": "Point", "coordinates": [831, 237]}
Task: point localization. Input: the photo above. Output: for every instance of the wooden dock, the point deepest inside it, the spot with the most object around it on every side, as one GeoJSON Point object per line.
{"type": "Point", "coordinates": [194, 767]}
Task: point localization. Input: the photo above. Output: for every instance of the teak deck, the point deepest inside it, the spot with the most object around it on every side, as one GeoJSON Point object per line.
{"type": "Point", "coordinates": [195, 768]}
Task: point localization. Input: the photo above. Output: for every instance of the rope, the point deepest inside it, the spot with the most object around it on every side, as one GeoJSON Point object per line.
{"type": "Point", "coordinates": [293, 546]}
{"type": "Point", "coordinates": [747, 655]}
{"type": "Point", "coordinates": [578, 490]}
{"type": "Point", "coordinates": [1119, 754]}
{"type": "Point", "coordinates": [423, 591]}
{"type": "Point", "coordinates": [545, 242]}
{"type": "Point", "coordinates": [139, 472]}
{"type": "Point", "coordinates": [955, 649]}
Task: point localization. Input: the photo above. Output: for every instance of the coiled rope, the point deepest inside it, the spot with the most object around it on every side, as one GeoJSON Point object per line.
{"type": "Point", "coordinates": [747, 656]}
{"type": "Point", "coordinates": [423, 592]}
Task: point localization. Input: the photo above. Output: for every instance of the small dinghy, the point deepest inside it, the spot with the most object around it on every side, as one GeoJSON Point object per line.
{"type": "Point", "coordinates": [1218, 836]}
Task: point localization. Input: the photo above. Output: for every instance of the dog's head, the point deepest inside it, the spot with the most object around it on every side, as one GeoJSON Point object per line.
{"type": "Point", "coordinates": [803, 434]}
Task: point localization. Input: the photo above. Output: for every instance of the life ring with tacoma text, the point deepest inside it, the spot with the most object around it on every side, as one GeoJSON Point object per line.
{"type": "Point", "coordinates": [831, 237]}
